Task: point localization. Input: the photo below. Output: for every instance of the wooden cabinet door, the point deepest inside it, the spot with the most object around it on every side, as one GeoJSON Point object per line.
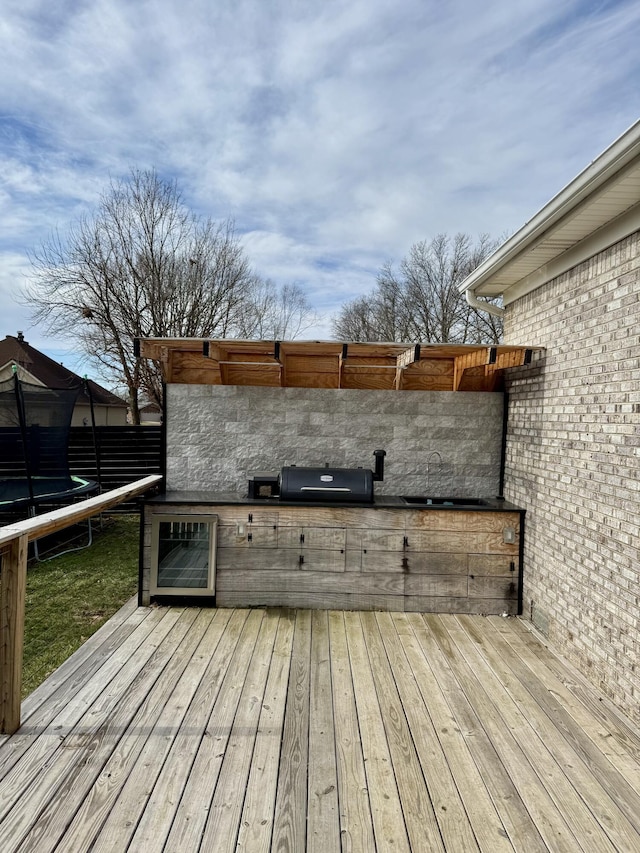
{"type": "Point", "coordinates": [379, 551]}
{"type": "Point", "coordinates": [241, 533]}
{"type": "Point", "coordinates": [320, 549]}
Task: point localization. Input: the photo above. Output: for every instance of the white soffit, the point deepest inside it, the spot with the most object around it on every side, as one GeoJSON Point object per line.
{"type": "Point", "coordinates": [598, 208]}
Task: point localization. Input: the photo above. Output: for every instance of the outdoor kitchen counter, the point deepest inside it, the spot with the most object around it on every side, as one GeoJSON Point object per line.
{"type": "Point", "coordinates": [179, 498]}
{"type": "Point", "coordinates": [385, 555]}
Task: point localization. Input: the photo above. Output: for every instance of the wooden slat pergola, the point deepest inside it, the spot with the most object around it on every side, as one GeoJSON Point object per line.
{"type": "Point", "coordinates": [332, 364]}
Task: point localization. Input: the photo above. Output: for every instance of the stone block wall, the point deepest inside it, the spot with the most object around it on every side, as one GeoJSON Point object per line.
{"type": "Point", "coordinates": [573, 461]}
{"type": "Point", "coordinates": [437, 443]}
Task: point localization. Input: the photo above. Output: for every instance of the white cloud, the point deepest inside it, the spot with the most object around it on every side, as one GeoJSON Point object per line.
{"type": "Point", "coordinates": [14, 269]}
{"type": "Point", "coordinates": [336, 134]}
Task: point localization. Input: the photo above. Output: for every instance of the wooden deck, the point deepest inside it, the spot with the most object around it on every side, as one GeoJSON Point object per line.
{"type": "Point", "coordinates": [188, 729]}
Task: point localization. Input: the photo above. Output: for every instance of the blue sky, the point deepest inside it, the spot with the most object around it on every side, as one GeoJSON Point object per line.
{"type": "Point", "coordinates": [335, 134]}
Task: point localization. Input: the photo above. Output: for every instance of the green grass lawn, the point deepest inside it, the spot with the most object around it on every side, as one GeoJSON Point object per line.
{"type": "Point", "coordinates": [71, 596]}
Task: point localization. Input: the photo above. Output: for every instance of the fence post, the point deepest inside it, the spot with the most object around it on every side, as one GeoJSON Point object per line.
{"type": "Point", "coordinates": [13, 581]}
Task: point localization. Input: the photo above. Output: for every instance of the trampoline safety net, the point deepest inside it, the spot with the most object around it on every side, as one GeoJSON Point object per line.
{"type": "Point", "coordinates": [34, 439]}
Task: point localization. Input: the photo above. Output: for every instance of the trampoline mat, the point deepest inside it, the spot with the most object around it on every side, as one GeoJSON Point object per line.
{"type": "Point", "coordinates": [15, 491]}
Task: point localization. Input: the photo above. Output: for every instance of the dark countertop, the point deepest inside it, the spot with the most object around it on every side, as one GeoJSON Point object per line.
{"type": "Point", "coordinates": [490, 504]}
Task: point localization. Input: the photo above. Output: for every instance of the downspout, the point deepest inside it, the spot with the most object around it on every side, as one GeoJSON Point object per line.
{"type": "Point", "coordinates": [489, 307]}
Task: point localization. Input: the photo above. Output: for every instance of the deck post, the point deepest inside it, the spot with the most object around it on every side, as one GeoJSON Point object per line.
{"type": "Point", "coordinates": [13, 580]}
{"type": "Point", "coordinates": [14, 545]}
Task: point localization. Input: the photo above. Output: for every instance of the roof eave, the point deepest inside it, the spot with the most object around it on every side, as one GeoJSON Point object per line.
{"type": "Point", "coordinates": [618, 158]}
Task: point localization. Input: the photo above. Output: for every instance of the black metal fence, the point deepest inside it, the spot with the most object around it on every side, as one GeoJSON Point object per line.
{"type": "Point", "coordinates": [124, 454]}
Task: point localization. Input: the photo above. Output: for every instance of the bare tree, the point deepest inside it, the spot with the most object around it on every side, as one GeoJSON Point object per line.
{"type": "Point", "coordinates": [421, 301]}
{"type": "Point", "coordinates": [275, 313]}
{"type": "Point", "coordinates": [142, 266]}
{"type": "Point", "coordinates": [380, 316]}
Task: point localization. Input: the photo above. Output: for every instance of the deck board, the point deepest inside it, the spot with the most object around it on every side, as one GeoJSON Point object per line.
{"type": "Point", "coordinates": [222, 825]}
{"type": "Point", "coordinates": [571, 694]}
{"type": "Point", "coordinates": [588, 768]}
{"type": "Point", "coordinates": [356, 826]}
{"type": "Point", "coordinates": [290, 817]}
{"type": "Point", "coordinates": [52, 760]}
{"type": "Point", "coordinates": [157, 819]}
{"type": "Point", "coordinates": [256, 824]}
{"type": "Point", "coordinates": [323, 817]}
{"type": "Point", "coordinates": [420, 820]}
{"type": "Point", "coordinates": [455, 825]}
{"type": "Point", "coordinates": [79, 796]}
{"type": "Point", "coordinates": [386, 809]}
{"type": "Point", "coordinates": [509, 741]}
{"type": "Point", "coordinates": [541, 746]}
{"type": "Point", "coordinates": [291, 730]}
{"type": "Point", "coordinates": [193, 810]}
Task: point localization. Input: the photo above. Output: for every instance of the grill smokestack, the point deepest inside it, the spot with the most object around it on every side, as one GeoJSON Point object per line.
{"type": "Point", "coordinates": [378, 474]}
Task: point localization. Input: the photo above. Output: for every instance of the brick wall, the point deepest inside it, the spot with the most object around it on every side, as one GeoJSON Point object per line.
{"type": "Point", "coordinates": [218, 435]}
{"type": "Point", "coordinates": [573, 461]}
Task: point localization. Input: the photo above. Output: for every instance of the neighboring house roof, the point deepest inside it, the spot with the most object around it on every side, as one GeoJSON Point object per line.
{"type": "Point", "coordinates": [49, 372]}
{"type": "Point", "coordinates": [597, 209]}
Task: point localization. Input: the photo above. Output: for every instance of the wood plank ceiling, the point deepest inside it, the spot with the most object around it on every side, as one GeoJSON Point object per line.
{"type": "Point", "coordinates": [320, 364]}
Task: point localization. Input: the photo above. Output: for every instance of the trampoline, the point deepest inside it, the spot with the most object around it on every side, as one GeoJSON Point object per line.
{"type": "Point", "coordinates": [34, 439]}
{"type": "Point", "coordinates": [14, 492]}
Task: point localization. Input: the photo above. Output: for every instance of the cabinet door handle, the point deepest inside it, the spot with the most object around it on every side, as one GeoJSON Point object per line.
{"type": "Point", "coordinates": [512, 566]}
{"type": "Point", "coordinates": [250, 518]}
{"type": "Point", "coordinates": [405, 542]}
{"type": "Point", "coordinates": [249, 537]}
{"type": "Point", "coordinates": [301, 559]}
{"type": "Point", "coordinates": [302, 538]}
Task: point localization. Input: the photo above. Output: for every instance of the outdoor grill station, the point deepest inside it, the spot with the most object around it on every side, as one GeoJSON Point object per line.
{"type": "Point", "coordinates": [327, 535]}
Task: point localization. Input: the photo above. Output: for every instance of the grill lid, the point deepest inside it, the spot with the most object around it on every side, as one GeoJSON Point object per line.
{"type": "Point", "coordinates": [326, 484]}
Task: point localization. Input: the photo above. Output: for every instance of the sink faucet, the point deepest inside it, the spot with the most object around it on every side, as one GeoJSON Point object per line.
{"type": "Point", "coordinates": [429, 458]}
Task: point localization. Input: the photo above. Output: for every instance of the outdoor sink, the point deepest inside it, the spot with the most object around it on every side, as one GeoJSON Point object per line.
{"type": "Point", "coordinates": [422, 500]}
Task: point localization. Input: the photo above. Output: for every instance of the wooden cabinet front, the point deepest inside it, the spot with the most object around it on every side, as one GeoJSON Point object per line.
{"type": "Point", "coordinates": [359, 558]}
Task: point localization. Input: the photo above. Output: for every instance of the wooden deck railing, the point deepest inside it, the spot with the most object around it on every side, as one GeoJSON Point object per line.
{"type": "Point", "coordinates": [14, 542]}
